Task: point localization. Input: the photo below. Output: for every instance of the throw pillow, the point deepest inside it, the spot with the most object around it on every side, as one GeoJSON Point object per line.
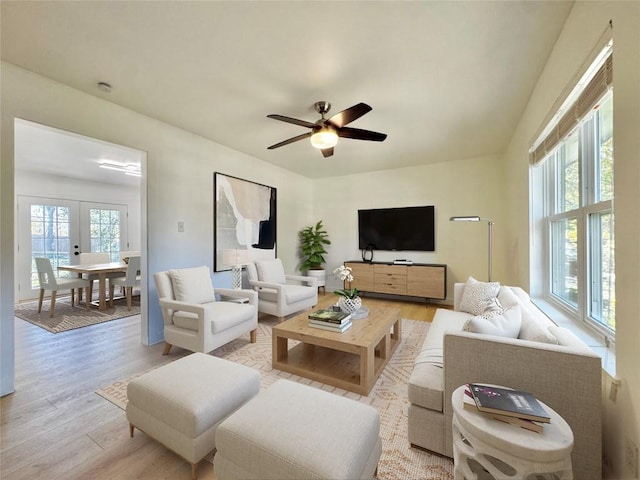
{"type": "Point", "coordinates": [192, 285]}
{"type": "Point", "coordinates": [534, 329]}
{"type": "Point", "coordinates": [567, 338]}
{"type": "Point", "coordinates": [507, 298]}
{"type": "Point", "coordinates": [479, 296]}
{"type": "Point", "coordinates": [271, 271]}
{"type": "Point", "coordinates": [505, 324]}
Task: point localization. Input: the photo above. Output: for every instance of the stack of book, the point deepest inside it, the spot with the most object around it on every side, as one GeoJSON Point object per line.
{"type": "Point", "coordinates": [330, 320]}
{"type": "Point", "coordinates": [510, 406]}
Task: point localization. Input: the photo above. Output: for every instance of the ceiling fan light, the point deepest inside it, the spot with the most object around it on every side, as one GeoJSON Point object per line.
{"type": "Point", "coordinates": [324, 138]}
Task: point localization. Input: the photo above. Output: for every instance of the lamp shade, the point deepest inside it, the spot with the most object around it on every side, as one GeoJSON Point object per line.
{"type": "Point", "coordinates": [471, 218]}
{"type": "Point", "coordinates": [235, 257]}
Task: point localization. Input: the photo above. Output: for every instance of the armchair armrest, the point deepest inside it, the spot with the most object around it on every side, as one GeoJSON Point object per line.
{"type": "Point", "coordinates": [198, 309]}
{"type": "Point", "coordinates": [242, 293]}
{"type": "Point", "coordinates": [310, 281]}
{"type": "Point", "coordinates": [278, 287]}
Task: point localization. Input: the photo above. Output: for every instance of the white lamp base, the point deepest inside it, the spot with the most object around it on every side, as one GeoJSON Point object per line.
{"type": "Point", "coordinates": [236, 275]}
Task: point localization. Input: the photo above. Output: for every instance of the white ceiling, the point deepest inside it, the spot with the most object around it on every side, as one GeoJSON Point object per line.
{"type": "Point", "coordinates": [446, 80]}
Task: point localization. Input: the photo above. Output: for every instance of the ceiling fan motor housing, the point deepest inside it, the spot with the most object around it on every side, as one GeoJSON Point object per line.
{"type": "Point", "coordinates": [322, 107]}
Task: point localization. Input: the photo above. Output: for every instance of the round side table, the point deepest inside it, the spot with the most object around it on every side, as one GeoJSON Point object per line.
{"type": "Point", "coordinates": [508, 452]}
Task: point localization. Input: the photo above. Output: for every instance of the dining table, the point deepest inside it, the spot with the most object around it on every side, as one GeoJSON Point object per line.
{"type": "Point", "coordinates": [100, 270]}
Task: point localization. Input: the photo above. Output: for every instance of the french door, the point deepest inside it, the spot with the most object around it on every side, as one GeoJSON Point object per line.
{"type": "Point", "coordinates": [62, 229]}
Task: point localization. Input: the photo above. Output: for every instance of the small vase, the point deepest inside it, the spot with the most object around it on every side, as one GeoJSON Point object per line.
{"type": "Point", "coordinates": [349, 305]}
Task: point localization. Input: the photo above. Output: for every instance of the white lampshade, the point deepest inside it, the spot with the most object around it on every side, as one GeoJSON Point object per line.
{"type": "Point", "coordinates": [324, 138]}
{"type": "Point", "coordinates": [235, 257]}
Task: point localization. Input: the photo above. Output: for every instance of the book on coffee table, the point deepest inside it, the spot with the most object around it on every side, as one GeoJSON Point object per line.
{"type": "Point", "coordinates": [511, 403]}
{"type": "Point", "coordinates": [330, 316]}
{"type": "Point", "coordinates": [332, 327]}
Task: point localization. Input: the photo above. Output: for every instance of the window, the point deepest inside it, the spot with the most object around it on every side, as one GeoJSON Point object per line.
{"type": "Point", "coordinates": [579, 218]}
{"type": "Point", "coordinates": [104, 228]}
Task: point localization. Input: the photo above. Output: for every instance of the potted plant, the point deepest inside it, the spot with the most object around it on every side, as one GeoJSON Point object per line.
{"type": "Point", "coordinates": [313, 240]}
{"type": "Point", "coordinates": [349, 301]}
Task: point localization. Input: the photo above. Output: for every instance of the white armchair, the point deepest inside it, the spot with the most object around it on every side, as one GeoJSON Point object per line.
{"type": "Point", "coordinates": [193, 319]}
{"type": "Point", "coordinates": [276, 296]}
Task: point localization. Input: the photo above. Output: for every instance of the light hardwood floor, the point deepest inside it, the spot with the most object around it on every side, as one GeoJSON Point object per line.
{"type": "Point", "coordinates": [55, 426]}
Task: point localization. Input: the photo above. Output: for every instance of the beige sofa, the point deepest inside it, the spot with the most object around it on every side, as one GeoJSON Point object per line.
{"type": "Point", "coordinates": [564, 373]}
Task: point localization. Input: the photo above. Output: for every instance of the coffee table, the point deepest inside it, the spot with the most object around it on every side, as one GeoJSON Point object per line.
{"type": "Point", "coordinates": [352, 360]}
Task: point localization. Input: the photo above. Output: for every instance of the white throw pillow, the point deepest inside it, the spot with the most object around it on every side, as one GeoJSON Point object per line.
{"type": "Point", "coordinates": [271, 271]}
{"type": "Point", "coordinates": [192, 285]}
{"type": "Point", "coordinates": [507, 298]}
{"type": "Point", "coordinates": [479, 296]}
{"type": "Point", "coordinates": [505, 324]}
{"type": "Point", "coordinates": [534, 329]}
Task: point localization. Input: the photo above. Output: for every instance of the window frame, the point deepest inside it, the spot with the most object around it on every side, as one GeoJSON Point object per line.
{"type": "Point", "coordinates": [589, 205]}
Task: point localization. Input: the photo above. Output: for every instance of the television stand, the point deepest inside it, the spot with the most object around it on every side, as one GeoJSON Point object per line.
{"type": "Point", "coordinates": [424, 280]}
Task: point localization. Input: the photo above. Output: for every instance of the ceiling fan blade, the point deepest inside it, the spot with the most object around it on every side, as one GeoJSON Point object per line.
{"type": "Point", "coordinates": [295, 121]}
{"type": "Point", "coordinates": [350, 114]}
{"type": "Point", "coordinates": [327, 152]}
{"type": "Point", "coordinates": [290, 140]}
{"type": "Point", "coordinates": [359, 134]}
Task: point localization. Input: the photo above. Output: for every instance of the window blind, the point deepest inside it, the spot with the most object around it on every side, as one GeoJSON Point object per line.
{"type": "Point", "coordinates": [601, 82]}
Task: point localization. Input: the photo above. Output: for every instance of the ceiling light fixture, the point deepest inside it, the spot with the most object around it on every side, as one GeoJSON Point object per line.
{"type": "Point", "coordinates": [127, 168]}
{"type": "Point", "coordinates": [326, 137]}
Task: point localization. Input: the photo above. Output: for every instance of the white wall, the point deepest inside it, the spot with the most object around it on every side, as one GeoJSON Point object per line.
{"type": "Point", "coordinates": [582, 29]}
{"type": "Point", "coordinates": [463, 187]}
{"type": "Point", "coordinates": [178, 187]}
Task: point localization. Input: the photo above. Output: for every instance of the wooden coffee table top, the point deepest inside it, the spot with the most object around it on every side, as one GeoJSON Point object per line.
{"type": "Point", "coordinates": [352, 360]}
{"type": "Point", "coordinates": [363, 333]}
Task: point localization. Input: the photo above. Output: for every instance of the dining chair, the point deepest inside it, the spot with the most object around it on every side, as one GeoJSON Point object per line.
{"type": "Point", "coordinates": [130, 280]}
{"type": "Point", "coordinates": [48, 281]}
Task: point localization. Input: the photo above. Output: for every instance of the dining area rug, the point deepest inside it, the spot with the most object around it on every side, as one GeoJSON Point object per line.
{"type": "Point", "coordinates": [389, 396]}
{"type": "Point", "coordinates": [68, 318]}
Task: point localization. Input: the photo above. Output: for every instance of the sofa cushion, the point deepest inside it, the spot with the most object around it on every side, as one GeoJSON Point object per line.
{"type": "Point", "coordinates": [502, 323]}
{"type": "Point", "coordinates": [479, 296]}
{"type": "Point", "coordinates": [427, 381]}
{"type": "Point", "coordinates": [192, 285]}
{"type": "Point", "coordinates": [271, 271]}
{"type": "Point", "coordinates": [567, 338]}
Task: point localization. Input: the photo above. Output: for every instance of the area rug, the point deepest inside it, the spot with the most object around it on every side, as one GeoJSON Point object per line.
{"type": "Point", "coordinates": [389, 396]}
{"type": "Point", "coordinates": [67, 317]}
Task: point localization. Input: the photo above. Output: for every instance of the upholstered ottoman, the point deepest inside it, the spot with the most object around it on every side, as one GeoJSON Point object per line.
{"type": "Point", "coordinates": [292, 431]}
{"type": "Point", "coordinates": [181, 404]}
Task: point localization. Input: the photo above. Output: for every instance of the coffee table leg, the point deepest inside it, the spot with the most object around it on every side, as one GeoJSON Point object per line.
{"type": "Point", "coordinates": [279, 349]}
{"type": "Point", "coordinates": [367, 362]}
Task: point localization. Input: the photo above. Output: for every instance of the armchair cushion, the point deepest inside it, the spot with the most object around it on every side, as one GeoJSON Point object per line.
{"type": "Point", "coordinates": [271, 271]}
{"type": "Point", "coordinates": [192, 285]}
{"type": "Point", "coordinates": [292, 294]}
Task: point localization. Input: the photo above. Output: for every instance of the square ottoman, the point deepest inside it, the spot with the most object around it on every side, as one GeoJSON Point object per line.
{"type": "Point", "coordinates": [293, 431]}
{"type": "Point", "coordinates": [181, 404]}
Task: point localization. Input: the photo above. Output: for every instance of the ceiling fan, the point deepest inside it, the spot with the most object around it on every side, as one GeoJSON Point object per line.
{"type": "Point", "coordinates": [325, 131]}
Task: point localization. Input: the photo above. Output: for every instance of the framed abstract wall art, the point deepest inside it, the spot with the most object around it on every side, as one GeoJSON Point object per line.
{"type": "Point", "coordinates": [244, 220]}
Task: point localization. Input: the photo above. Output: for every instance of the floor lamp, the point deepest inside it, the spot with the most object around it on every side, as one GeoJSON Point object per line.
{"type": "Point", "coordinates": [236, 259]}
{"type": "Point", "coordinates": [477, 219]}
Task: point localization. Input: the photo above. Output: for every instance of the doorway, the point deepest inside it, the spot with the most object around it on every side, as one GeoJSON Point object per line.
{"type": "Point", "coordinates": [73, 194]}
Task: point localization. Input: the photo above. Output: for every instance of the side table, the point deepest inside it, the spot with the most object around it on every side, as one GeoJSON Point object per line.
{"type": "Point", "coordinates": [503, 451]}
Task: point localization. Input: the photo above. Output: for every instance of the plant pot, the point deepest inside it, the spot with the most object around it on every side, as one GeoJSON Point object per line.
{"type": "Point", "coordinates": [319, 275]}
{"type": "Point", "coordinates": [349, 305]}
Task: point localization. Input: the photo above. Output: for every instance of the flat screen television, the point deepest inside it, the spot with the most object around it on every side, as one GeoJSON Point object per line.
{"type": "Point", "coordinates": [405, 228]}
